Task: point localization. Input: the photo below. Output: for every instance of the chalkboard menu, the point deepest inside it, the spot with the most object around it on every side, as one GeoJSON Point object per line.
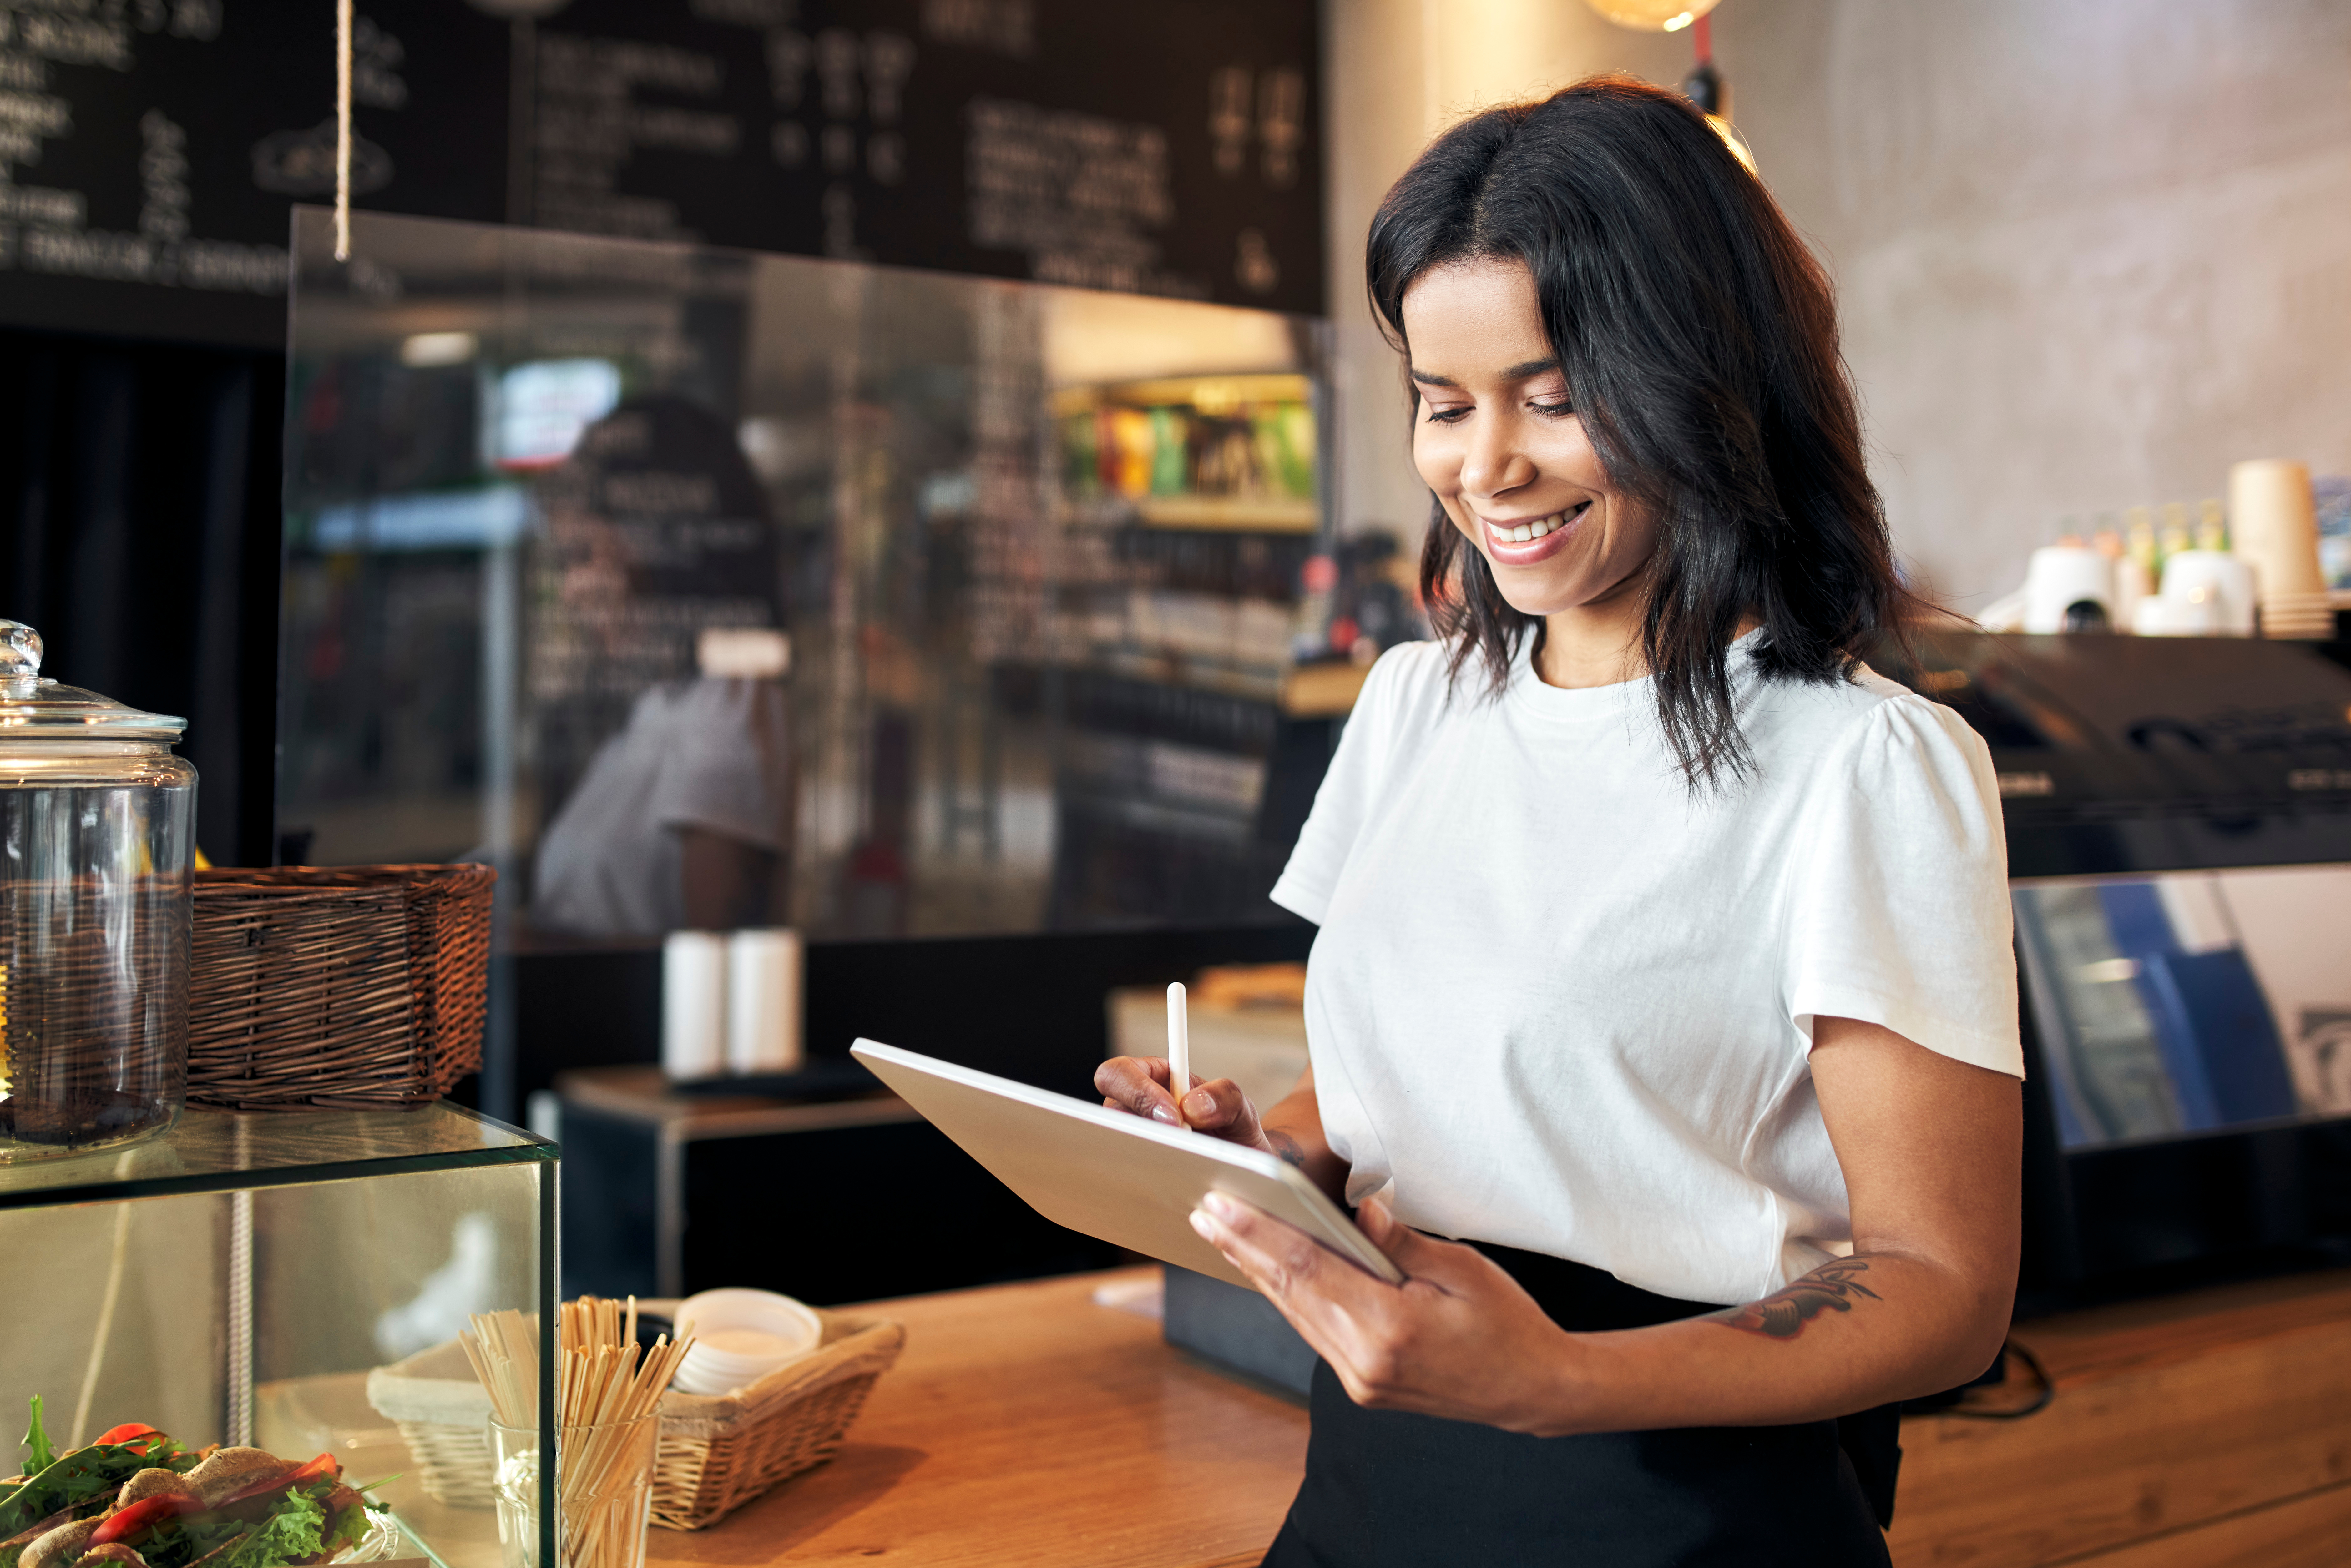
{"type": "Point", "coordinates": [150, 148]}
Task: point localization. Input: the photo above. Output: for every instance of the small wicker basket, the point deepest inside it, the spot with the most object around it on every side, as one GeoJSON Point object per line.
{"type": "Point", "coordinates": [716, 1454]}
{"type": "Point", "coordinates": [352, 987]}
{"type": "Point", "coordinates": [443, 1415]}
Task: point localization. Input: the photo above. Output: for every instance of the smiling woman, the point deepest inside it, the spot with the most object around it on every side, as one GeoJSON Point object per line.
{"type": "Point", "coordinates": [1586, 293]}
{"type": "Point", "coordinates": [1662, 1017]}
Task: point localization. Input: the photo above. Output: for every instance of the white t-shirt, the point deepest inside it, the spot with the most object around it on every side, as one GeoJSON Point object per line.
{"type": "Point", "coordinates": [1560, 1003]}
{"type": "Point", "coordinates": [694, 754]}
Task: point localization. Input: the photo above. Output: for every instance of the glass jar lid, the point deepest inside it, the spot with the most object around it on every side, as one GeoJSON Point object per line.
{"type": "Point", "coordinates": [34, 708]}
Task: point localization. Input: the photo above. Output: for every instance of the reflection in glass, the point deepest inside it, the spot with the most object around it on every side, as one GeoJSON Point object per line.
{"type": "Point", "coordinates": [701, 589]}
{"type": "Point", "coordinates": [2185, 1003]}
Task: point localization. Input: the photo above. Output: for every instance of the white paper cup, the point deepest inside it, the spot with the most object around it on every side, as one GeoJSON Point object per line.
{"type": "Point", "coordinates": [739, 1337]}
{"type": "Point", "coordinates": [763, 1001]}
{"type": "Point", "coordinates": [694, 1005]}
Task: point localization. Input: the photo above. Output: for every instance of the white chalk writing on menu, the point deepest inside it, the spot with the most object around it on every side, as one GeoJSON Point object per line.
{"type": "Point", "coordinates": [1078, 191]}
{"type": "Point", "coordinates": [150, 148]}
{"type": "Point", "coordinates": [590, 122]}
{"type": "Point", "coordinates": [46, 228]}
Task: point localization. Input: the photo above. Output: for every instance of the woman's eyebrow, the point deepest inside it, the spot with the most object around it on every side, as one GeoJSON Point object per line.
{"type": "Point", "coordinates": [1522, 370]}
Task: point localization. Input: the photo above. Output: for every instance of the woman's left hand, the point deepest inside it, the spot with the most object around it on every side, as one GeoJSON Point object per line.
{"type": "Point", "coordinates": [1459, 1338]}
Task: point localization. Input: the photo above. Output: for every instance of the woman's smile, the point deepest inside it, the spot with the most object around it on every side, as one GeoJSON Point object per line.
{"type": "Point", "coordinates": [1523, 541]}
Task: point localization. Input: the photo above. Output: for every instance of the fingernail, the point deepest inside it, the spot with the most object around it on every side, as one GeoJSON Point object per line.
{"type": "Point", "coordinates": [1220, 1206]}
{"type": "Point", "coordinates": [1165, 1114]}
{"type": "Point", "coordinates": [1203, 1224]}
{"type": "Point", "coordinates": [1196, 1105]}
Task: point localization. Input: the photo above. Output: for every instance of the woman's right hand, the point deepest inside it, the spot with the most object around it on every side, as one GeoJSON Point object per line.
{"type": "Point", "coordinates": [1139, 1084]}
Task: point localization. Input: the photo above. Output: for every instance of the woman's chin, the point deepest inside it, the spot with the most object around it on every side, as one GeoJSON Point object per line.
{"type": "Point", "coordinates": [1539, 594]}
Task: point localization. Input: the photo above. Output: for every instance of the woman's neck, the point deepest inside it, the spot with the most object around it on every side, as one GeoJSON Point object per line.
{"type": "Point", "coordinates": [1600, 644]}
{"type": "Point", "coordinates": [1596, 645]}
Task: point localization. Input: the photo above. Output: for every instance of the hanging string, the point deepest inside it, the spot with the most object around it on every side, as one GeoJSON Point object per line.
{"type": "Point", "coordinates": [342, 130]}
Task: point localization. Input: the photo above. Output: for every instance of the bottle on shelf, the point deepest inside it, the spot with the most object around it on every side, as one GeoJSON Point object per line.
{"type": "Point", "coordinates": [2211, 524]}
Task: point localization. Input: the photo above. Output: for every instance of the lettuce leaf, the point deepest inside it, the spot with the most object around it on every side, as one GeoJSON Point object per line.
{"type": "Point", "coordinates": [69, 1482]}
{"type": "Point", "coordinates": [39, 1455]}
{"type": "Point", "coordinates": [348, 1531]}
{"type": "Point", "coordinates": [194, 1537]}
{"type": "Point", "coordinates": [288, 1536]}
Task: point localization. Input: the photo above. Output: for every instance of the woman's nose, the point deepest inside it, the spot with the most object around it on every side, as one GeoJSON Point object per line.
{"type": "Point", "coordinates": [1495, 462]}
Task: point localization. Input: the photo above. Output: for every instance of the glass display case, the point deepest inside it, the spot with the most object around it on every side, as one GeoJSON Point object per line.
{"type": "Point", "coordinates": [238, 1279]}
{"type": "Point", "coordinates": [698, 587]}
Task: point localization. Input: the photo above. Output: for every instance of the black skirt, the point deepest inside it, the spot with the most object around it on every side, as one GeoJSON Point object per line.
{"type": "Point", "coordinates": [1385, 1487]}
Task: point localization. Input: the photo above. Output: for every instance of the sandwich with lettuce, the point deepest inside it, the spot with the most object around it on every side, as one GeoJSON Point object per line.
{"type": "Point", "coordinates": [136, 1498]}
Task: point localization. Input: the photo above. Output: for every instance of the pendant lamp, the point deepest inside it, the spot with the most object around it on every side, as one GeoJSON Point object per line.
{"type": "Point", "coordinates": [1653, 16]}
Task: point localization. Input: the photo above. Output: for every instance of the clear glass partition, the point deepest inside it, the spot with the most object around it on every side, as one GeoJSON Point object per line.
{"type": "Point", "coordinates": [696, 588]}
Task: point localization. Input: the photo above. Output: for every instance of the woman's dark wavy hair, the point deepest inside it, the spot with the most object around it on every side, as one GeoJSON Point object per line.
{"type": "Point", "coordinates": [1698, 336]}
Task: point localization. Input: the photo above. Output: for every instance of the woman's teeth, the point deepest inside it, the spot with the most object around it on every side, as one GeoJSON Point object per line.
{"type": "Point", "coordinates": [1526, 532]}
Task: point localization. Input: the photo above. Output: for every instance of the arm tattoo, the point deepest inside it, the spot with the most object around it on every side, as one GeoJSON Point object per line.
{"type": "Point", "coordinates": [1287, 1147]}
{"type": "Point", "coordinates": [1784, 1313]}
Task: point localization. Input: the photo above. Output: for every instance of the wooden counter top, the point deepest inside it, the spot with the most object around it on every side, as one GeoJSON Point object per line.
{"type": "Point", "coordinates": [2211, 1429]}
{"type": "Point", "coordinates": [1026, 1426]}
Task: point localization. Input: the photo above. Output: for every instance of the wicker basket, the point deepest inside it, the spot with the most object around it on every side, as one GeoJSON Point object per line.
{"type": "Point", "coordinates": [443, 1415]}
{"type": "Point", "coordinates": [716, 1454]}
{"type": "Point", "coordinates": [352, 987]}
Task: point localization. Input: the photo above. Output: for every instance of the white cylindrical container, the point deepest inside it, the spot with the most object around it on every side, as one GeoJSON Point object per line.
{"type": "Point", "coordinates": [2209, 594]}
{"type": "Point", "coordinates": [763, 1001]}
{"type": "Point", "coordinates": [2160, 617]}
{"type": "Point", "coordinates": [2062, 577]}
{"type": "Point", "coordinates": [694, 1004]}
{"type": "Point", "coordinates": [2274, 523]}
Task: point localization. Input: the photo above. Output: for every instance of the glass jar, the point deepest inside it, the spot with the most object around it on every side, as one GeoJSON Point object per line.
{"type": "Point", "coordinates": [97, 821]}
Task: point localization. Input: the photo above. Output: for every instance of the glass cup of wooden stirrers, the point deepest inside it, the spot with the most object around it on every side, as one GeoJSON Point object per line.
{"type": "Point", "coordinates": [604, 1503]}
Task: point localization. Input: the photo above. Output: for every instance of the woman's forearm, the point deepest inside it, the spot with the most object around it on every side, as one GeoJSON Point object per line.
{"type": "Point", "coordinates": [1855, 1332]}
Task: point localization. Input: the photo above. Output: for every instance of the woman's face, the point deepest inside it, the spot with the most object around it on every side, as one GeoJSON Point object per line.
{"type": "Point", "coordinates": [1497, 440]}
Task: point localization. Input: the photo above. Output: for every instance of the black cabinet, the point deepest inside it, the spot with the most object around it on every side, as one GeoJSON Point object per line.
{"type": "Point", "coordinates": [666, 1195]}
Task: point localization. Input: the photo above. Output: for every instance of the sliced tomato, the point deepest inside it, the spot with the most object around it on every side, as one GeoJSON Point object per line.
{"type": "Point", "coordinates": [142, 1515]}
{"type": "Point", "coordinates": [126, 1431]}
{"type": "Point", "coordinates": [323, 1468]}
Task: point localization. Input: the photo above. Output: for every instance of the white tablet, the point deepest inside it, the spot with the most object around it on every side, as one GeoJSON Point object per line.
{"type": "Point", "coordinates": [1115, 1176]}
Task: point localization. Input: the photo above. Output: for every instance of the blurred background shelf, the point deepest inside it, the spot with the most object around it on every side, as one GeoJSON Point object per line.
{"type": "Point", "coordinates": [1273, 515]}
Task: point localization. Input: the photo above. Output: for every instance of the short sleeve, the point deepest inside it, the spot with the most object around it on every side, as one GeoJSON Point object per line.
{"type": "Point", "coordinates": [712, 774]}
{"type": "Point", "coordinates": [1343, 802]}
{"type": "Point", "coordinates": [1898, 911]}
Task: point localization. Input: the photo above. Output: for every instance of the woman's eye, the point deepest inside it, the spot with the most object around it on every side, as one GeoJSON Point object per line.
{"type": "Point", "coordinates": [1558, 410]}
{"type": "Point", "coordinates": [1446, 415]}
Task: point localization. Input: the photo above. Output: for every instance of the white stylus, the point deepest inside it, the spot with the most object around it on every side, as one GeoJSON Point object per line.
{"type": "Point", "coordinates": [1179, 1049]}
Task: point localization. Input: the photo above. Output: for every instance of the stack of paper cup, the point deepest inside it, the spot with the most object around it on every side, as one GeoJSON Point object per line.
{"type": "Point", "coordinates": [2275, 529]}
{"type": "Point", "coordinates": [694, 1005]}
{"type": "Point", "coordinates": [763, 1001]}
{"type": "Point", "coordinates": [739, 1337]}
